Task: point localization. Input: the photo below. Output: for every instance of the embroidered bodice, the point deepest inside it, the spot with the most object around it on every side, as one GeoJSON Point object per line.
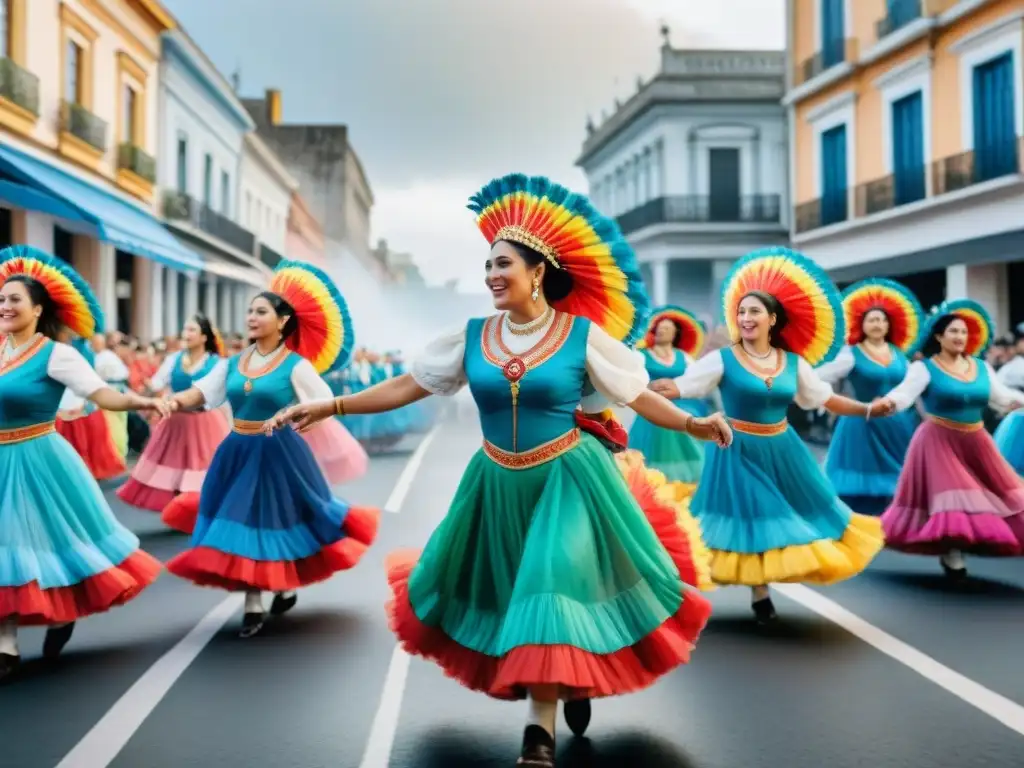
{"type": "Point", "coordinates": [659, 369]}
{"type": "Point", "coordinates": [949, 397]}
{"type": "Point", "coordinates": [870, 378]}
{"type": "Point", "coordinates": [745, 396]}
{"type": "Point", "coordinates": [33, 380]}
{"type": "Point", "coordinates": [181, 380]}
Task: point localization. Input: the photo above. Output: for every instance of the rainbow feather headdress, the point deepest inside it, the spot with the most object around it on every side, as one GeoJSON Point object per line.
{"type": "Point", "coordinates": [979, 325]}
{"type": "Point", "coordinates": [815, 328]}
{"type": "Point", "coordinates": [690, 335]}
{"type": "Point", "coordinates": [324, 335]}
{"type": "Point", "coordinates": [570, 233]}
{"type": "Point", "coordinates": [77, 307]}
{"type": "Point", "coordinates": [899, 304]}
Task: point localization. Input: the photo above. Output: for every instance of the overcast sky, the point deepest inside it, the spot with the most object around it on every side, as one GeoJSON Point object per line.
{"type": "Point", "coordinates": [442, 95]}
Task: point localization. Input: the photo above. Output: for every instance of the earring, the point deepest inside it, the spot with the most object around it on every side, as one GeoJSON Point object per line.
{"type": "Point", "coordinates": [536, 288]}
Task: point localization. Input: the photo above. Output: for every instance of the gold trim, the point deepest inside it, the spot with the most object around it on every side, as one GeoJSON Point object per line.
{"type": "Point", "coordinates": [134, 184]}
{"type": "Point", "coordinates": [154, 14]}
{"type": "Point", "coordinates": [244, 427]}
{"type": "Point", "coordinates": [535, 456]}
{"type": "Point", "coordinates": [81, 152]}
{"type": "Point", "coordinates": [149, 52]}
{"type": "Point", "coordinates": [518, 234]}
{"type": "Point", "coordinates": [19, 360]}
{"type": "Point", "coordinates": [877, 360]}
{"type": "Point", "coordinates": [16, 117]}
{"type": "Point", "coordinates": [24, 434]}
{"type": "Point", "coordinates": [972, 369]}
{"type": "Point", "coordinates": [17, 47]}
{"type": "Point", "coordinates": [69, 20]}
{"type": "Point", "coordinates": [956, 426]}
{"type": "Point", "coordinates": [497, 353]}
{"type": "Point", "coordinates": [758, 429]}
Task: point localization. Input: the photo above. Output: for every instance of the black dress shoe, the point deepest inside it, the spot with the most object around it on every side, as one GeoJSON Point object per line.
{"type": "Point", "coordinates": [577, 715]}
{"type": "Point", "coordinates": [954, 574]}
{"type": "Point", "coordinates": [252, 623]}
{"type": "Point", "coordinates": [764, 611]}
{"type": "Point", "coordinates": [538, 748]}
{"type": "Point", "coordinates": [9, 663]}
{"type": "Point", "coordinates": [55, 640]}
{"type": "Point", "coordinates": [283, 604]}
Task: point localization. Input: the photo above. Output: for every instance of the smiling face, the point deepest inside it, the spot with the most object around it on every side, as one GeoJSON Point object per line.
{"type": "Point", "coordinates": [875, 325]}
{"type": "Point", "coordinates": [17, 312]}
{"type": "Point", "coordinates": [954, 338]}
{"type": "Point", "coordinates": [192, 335]}
{"type": "Point", "coordinates": [665, 331]}
{"type": "Point", "coordinates": [509, 278]}
{"type": "Point", "coordinates": [753, 319]}
{"type": "Point", "coordinates": [263, 321]}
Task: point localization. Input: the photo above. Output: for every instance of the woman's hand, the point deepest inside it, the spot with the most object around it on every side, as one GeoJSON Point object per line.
{"type": "Point", "coordinates": [713, 428]}
{"type": "Point", "coordinates": [151, 404]}
{"type": "Point", "coordinates": [303, 415]}
{"type": "Point", "coordinates": [881, 406]}
{"type": "Point", "coordinates": [666, 388]}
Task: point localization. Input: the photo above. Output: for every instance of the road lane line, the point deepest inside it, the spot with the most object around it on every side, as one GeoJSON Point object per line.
{"type": "Point", "coordinates": [401, 489]}
{"type": "Point", "coordinates": [101, 745]}
{"type": "Point", "coordinates": [385, 722]}
{"type": "Point", "coordinates": [1007, 712]}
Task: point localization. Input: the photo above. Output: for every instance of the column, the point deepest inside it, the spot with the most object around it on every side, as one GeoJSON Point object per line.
{"type": "Point", "coordinates": [191, 294]}
{"type": "Point", "coordinates": [172, 312]}
{"type": "Point", "coordinates": [156, 302]}
{"type": "Point", "coordinates": [956, 282]}
{"type": "Point", "coordinates": [719, 271]}
{"type": "Point", "coordinates": [96, 262]}
{"type": "Point", "coordinates": [32, 228]}
{"type": "Point", "coordinates": [986, 284]}
{"type": "Point", "coordinates": [243, 294]}
{"type": "Point", "coordinates": [659, 278]}
{"type": "Point", "coordinates": [139, 299]}
{"type": "Point", "coordinates": [212, 304]}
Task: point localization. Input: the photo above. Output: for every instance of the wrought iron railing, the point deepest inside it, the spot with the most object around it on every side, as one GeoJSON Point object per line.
{"type": "Point", "coordinates": [19, 86]}
{"type": "Point", "coordinates": [899, 14]}
{"type": "Point", "coordinates": [84, 125]}
{"type": "Point", "coordinates": [131, 158]}
{"type": "Point", "coordinates": [179, 206]}
{"type": "Point", "coordinates": [697, 209]}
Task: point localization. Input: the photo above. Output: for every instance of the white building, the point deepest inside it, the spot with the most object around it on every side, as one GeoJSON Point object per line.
{"type": "Point", "coordinates": [694, 166]}
{"type": "Point", "coordinates": [78, 136]}
{"type": "Point", "coordinates": [203, 130]}
{"type": "Point", "coordinates": [266, 197]}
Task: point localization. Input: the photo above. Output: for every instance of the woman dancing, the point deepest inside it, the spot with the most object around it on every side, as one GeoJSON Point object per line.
{"type": "Point", "coordinates": [767, 510]}
{"type": "Point", "coordinates": [956, 494]}
{"type": "Point", "coordinates": [63, 554]}
{"type": "Point", "coordinates": [674, 337]}
{"type": "Point", "coordinates": [545, 580]}
{"type": "Point", "coordinates": [883, 323]}
{"type": "Point", "coordinates": [266, 517]}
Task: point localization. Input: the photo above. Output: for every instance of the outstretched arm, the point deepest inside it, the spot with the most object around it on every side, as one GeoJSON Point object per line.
{"type": "Point", "coordinates": [67, 366]}
{"type": "Point", "coordinates": [387, 396]}
{"type": "Point", "coordinates": [663, 413]}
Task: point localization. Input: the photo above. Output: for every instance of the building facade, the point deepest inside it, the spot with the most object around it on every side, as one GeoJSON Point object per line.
{"type": "Point", "coordinates": [267, 191]}
{"type": "Point", "coordinates": [203, 127]}
{"type": "Point", "coordinates": [78, 141]}
{"type": "Point", "coordinates": [694, 166]}
{"type": "Point", "coordinates": [305, 240]}
{"type": "Point", "coordinates": [906, 122]}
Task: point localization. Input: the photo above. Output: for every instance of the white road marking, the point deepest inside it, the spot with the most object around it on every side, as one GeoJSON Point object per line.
{"type": "Point", "coordinates": [101, 745]}
{"type": "Point", "coordinates": [998, 707]}
{"type": "Point", "coordinates": [404, 483]}
{"type": "Point", "coordinates": [385, 722]}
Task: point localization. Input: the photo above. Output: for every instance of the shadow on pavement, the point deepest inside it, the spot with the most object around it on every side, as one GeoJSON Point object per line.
{"type": "Point", "coordinates": [976, 586]}
{"type": "Point", "coordinates": [790, 629]}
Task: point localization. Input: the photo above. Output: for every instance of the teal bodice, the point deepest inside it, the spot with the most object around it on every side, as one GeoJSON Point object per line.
{"type": "Point", "coordinates": [269, 393]}
{"type": "Point", "coordinates": [658, 370]}
{"type": "Point", "coordinates": [950, 398]}
{"type": "Point", "coordinates": [747, 398]}
{"type": "Point", "coordinates": [548, 393]}
{"type": "Point", "coordinates": [182, 380]}
{"type": "Point", "coordinates": [27, 393]}
{"type": "Point", "coordinates": [870, 379]}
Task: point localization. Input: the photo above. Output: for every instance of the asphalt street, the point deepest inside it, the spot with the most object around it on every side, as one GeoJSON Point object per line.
{"type": "Point", "coordinates": [893, 669]}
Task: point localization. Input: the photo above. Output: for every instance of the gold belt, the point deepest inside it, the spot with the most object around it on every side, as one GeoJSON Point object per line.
{"type": "Point", "coordinates": [535, 456]}
{"type": "Point", "coordinates": [756, 428]}
{"type": "Point", "coordinates": [956, 426]}
{"type": "Point", "coordinates": [21, 434]}
{"type": "Point", "coordinates": [243, 427]}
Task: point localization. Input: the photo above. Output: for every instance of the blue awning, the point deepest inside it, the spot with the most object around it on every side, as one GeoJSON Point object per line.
{"type": "Point", "coordinates": [36, 185]}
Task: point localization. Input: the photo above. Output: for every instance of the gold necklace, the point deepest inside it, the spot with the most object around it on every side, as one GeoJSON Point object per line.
{"type": "Point", "coordinates": [529, 328]}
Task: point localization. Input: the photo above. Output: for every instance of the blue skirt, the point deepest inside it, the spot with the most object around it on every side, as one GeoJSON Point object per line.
{"type": "Point", "coordinates": [677, 455]}
{"type": "Point", "coordinates": [866, 456]}
{"type": "Point", "coordinates": [769, 514]}
{"type": "Point", "coordinates": [1009, 437]}
{"type": "Point", "coordinates": [267, 519]}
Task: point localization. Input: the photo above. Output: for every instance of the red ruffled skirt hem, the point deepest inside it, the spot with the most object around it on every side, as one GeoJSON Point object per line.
{"type": "Point", "coordinates": [90, 437]}
{"type": "Point", "coordinates": [115, 586]}
{"type": "Point", "coordinates": [181, 512]}
{"type": "Point", "coordinates": [136, 494]}
{"type": "Point", "coordinates": [208, 567]}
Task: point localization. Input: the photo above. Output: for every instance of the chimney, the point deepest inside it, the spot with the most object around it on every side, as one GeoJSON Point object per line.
{"type": "Point", "coordinates": [273, 100]}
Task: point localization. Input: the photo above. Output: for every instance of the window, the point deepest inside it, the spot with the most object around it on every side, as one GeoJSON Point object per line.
{"type": "Point", "coordinates": [248, 208]}
{"type": "Point", "coordinates": [73, 73]}
{"type": "Point", "coordinates": [995, 141]}
{"type": "Point", "coordinates": [724, 184]}
{"type": "Point", "coordinates": [908, 156]}
{"type": "Point", "coordinates": [833, 32]}
{"type": "Point", "coordinates": [225, 193]}
{"type": "Point", "coordinates": [5, 29]}
{"type": "Point", "coordinates": [208, 180]}
{"type": "Point", "coordinates": [182, 164]}
{"type": "Point", "coordinates": [834, 183]}
{"type": "Point", "coordinates": [129, 125]}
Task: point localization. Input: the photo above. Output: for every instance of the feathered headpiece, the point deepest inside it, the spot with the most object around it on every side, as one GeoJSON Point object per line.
{"type": "Point", "coordinates": [77, 307]}
{"type": "Point", "coordinates": [690, 335]}
{"type": "Point", "coordinates": [568, 231]}
{"type": "Point", "coordinates": [899, 304]}
{"type": "Point", "coordinates": [979, 325]}
{"type": "Point", "coordinates": [324, 335]}
{"type": "Point", "coordinates": [218, 342]}
{"type": "Point", "coordinates": [815, 326]}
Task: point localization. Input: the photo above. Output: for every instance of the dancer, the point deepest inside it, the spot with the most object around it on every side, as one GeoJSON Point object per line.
{"type": "Point", "coordinates": [1009, 437]}
{"type": "Point", "coordinates": [956, 494]}
{"type": "Point", "coordinates": [267, 520]}
{"type": "Point", "coordinates": [767, 510]}
{"type": "Point", "coordinates": [181, 447]}
{"type": "Point", "coordinates": [674, 337]}
{"type": "Point", "coordinates": [63, 555]}
{"type": "Point", "coordinates": [883, 323]}
{"type": "Point", "coordinates": [545, 580]}
{"type": "Point", "coordinates": [114, 372]}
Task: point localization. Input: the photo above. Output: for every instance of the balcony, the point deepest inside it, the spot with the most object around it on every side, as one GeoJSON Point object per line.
{"type": "Point", "coordinates": [830, 208]}
{"type": "Point", "coordinates": [179, 207]}
{"type": "Point", "coordinates": [269, 256]}
{"type": "Point", "coordinates": [19, 86]}
{"type": "Point", "coordinates": [83, 125]}
{"type": "Point", "coordinates": [892, 191]}
{"type": "Point", "coordinates": [702, 209]}
{"type": "Point", "coordinates": [131, 158]}
{"type": "Point", "coordinates": [832, 53]}
{"type": "Point", "coordinates": [899, 14]}
{"type": "Point", "coordinates": [979, 165]}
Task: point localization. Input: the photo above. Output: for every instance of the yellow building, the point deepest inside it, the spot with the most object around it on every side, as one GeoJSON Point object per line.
{"type": "Point", "coordinates": [906, 119]}
{"type": "Point", "coordinates": [78, 138]}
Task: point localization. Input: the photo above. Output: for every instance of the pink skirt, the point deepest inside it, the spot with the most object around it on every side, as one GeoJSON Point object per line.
{"type": "Point", "coordinates": [90, 437]}
{"type": "Point", "coordinates": [956, 492]}
{"type": "Point", "coordinates": [175, 460]}
{"type": "Point", "coordinates": [341, 457]}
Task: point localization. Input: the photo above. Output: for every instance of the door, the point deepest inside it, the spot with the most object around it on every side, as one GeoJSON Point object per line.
{"type": "Point", "coordinates": [723, 184]}
{"type": "Point", "coordinates": [995, 141]}
{"type": "Point", "coordinates": [908, 149]}
{"type": "Point", "coordinates": [834, 196]}
{"type": "Point", "coordinates": [833, 33]}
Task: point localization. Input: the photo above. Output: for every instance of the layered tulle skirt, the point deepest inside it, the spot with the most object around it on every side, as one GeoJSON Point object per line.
{"type": "Point", "coordinates": [956, 493]}
{"type": "Point", "coordinates": [63, 554]}
{"type": "Point", "coordinates": [865, 457]}
{"type": "Point", "coordinates": [769, 515]}
{"type": "Point", "coordinates": [267, 519]}
{"type": "Point", "coordinates": [175, 459]}
{"type": "Point", "coordinates": [571, 573]}
{"type": "Point", "coordinates": [676, 454]}
{"type": "Point", "coordinates": [90, 436]}
{"type": "Point", "coordinates": [1009, 438]}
